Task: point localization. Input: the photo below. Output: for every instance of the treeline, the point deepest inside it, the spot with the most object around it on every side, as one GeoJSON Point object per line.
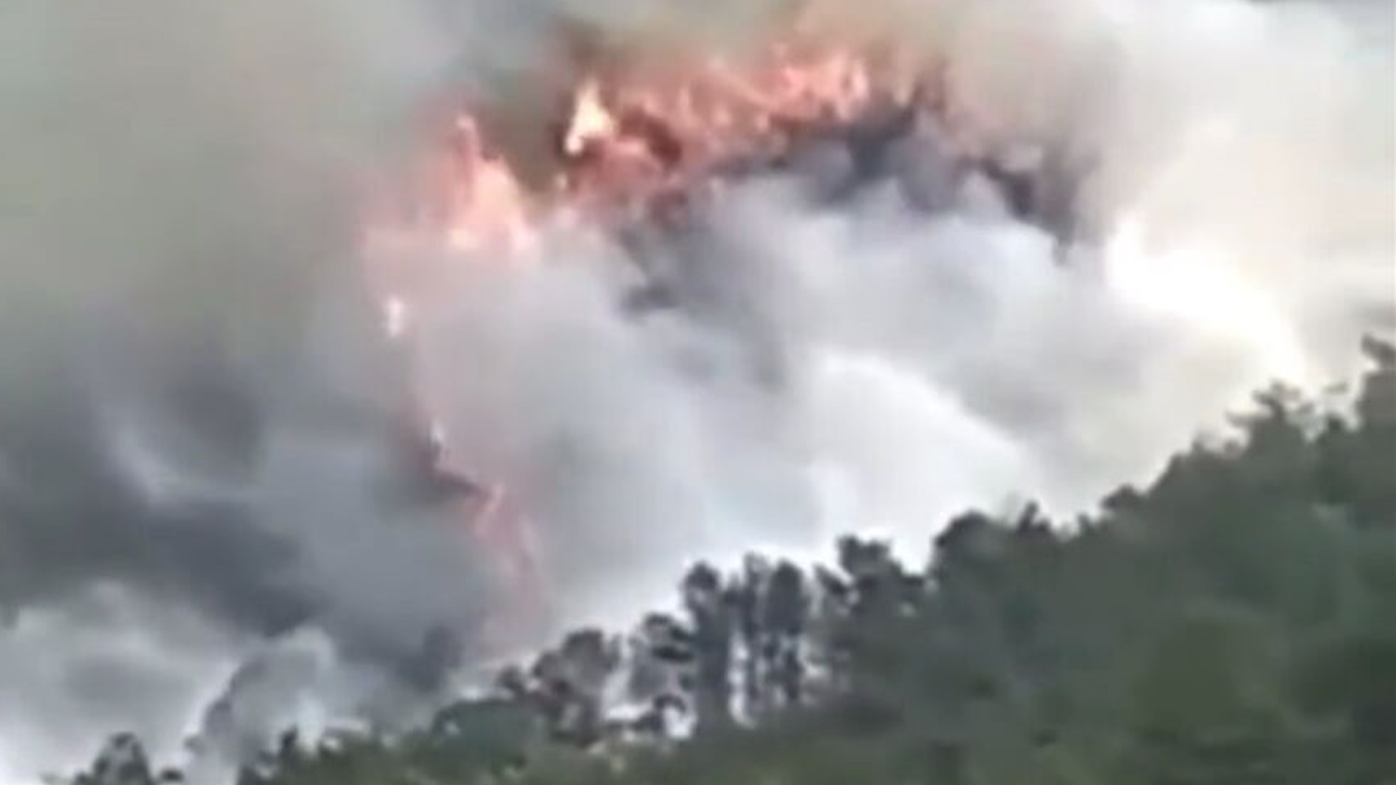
{"type": "Point", "coordinates": [1232, 624]}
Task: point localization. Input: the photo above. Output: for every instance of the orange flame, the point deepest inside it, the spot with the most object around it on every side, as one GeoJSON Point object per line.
{"type": "Point", "coordinates": [627, 138]}
{"type": "Point", "coordinates": [629, 135]}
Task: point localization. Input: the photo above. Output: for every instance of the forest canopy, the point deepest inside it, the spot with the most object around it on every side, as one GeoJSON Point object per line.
{"type": "Point", "coordinates": [1232, 623]}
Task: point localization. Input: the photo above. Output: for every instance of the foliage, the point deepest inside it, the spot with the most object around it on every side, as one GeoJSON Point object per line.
{"type": "Point", "coordinates": [1234, 623]}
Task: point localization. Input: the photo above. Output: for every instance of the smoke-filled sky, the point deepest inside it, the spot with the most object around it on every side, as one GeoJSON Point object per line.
{"type": "Point", "coordinates": [196, 403]}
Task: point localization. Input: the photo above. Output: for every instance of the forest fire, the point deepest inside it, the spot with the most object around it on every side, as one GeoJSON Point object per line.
{"type": "Point", "coordinates": [353, 351]}
{"type": "Point", "coordinates": [626, 137]}
{"type": "Point", "coordinates": [628, 144]}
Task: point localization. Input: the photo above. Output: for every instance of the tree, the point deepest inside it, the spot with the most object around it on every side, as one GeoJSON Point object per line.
{"type": "Point", "coordinates": [1229, 623]}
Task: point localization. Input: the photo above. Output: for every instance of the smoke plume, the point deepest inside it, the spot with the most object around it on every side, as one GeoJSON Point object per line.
{"type": "Point", "coordinates": [199, 415]}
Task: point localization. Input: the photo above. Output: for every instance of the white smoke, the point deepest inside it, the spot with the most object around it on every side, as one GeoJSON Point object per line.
{"type": "Point", "coordinates": [173, 177]}
{"type": "Point", "coordinates": [858, 368]}
{"type": "Point", "coordinates": [1236, 228]}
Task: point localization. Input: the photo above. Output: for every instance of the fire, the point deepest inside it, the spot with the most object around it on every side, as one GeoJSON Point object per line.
{"type": "Point", "coordinates": [638, 133]}
{"type": "Point", "coordinates": [591, 120]}
{"type": "Point", "coordinates": [627, 138]}
{"type": "Point", "coordinates": [486, 205]}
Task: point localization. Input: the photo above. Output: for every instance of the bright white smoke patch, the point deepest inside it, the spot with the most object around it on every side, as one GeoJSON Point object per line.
{"type": "Point", "coordinates": [857, 368]}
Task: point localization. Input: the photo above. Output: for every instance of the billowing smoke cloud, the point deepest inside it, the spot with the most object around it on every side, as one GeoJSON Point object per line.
{"type": "Point", "coordinates": [194, 418]}
{"type": "Point", "coordinates": [197, 416]}
{"type": "Point", "coordinates": [1218, 177]}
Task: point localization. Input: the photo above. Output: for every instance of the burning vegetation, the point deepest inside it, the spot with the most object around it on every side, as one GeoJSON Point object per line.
{"type": "Point", "coordinates": [636, 138]}
{"type": "Point", "coordinates": [645, 142]}
{"type": "Point", "coordinates": [354, 345]}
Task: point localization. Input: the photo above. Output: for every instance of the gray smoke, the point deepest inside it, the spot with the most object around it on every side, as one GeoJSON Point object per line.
{"type": "Point", "coordinates": [198, 430]}
{"type": "Point", "coordinates": [200, 439]}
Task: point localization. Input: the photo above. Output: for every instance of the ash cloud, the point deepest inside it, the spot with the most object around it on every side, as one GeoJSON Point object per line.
{"type": "Point", "coordinates": [194, 417]}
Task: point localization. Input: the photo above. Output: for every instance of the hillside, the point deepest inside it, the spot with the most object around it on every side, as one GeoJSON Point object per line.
{"type": "Point", "coordinates": [1230, 624]}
